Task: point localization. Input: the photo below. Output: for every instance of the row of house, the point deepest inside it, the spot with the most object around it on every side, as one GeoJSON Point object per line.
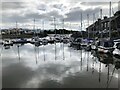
{"type": "Point", "coordinates": [106, 24]}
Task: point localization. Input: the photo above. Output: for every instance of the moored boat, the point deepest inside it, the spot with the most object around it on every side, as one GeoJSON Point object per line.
{"type": "Point", "coordinates": [116, 52]}
{"type": "Point", "coordinates": [7, 43]}
{"type": "Point", "coordinates": [106, 46]}
{"type": "Point", "coordinates": [22, 40]}
{"type": "Point", "coordinates": [76, 43]}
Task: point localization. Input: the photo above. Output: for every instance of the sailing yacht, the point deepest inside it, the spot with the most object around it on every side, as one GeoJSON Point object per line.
{"type": "Point", "coordinates": [35, 40]}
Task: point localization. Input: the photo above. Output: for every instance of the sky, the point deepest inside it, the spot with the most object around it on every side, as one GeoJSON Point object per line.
{"type": "Point", "coordinates": [46, 13]}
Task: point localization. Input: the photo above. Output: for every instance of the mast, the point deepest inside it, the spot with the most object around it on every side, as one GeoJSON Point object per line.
{"type": "Point", "coordinates": [63, 42]}
{"type": "Point", "coordinates": [55, 25]}
{"type": "Point", "coordinates": [55, 35]}
{"type": "Point", "coordinates": [43, 45]}
{"type": "Point", "coordinates": [82, 37]}
{"type": "Point", "coordinates": [94, 26]}
{"type": "Point", "coordinates": [63, 26]}
{"type": "Point", "coordinates": [110, 21]}
{"type": "Point", "coordinates": [34, 26]}
{"type": "Point", "coordinates": [43, 26]}
{"type": "Point", "coordinates": [81, 25]}
{"type": "Point", "coordinates": [69, 36]}
{"type": "Point", "coordinates": [16, 29]}
{"type": "Point", "coordinates": [101, 23]}
{"type": "Point", "coordinates": [16, 25]}
{"type": "Point", "coordinates": [88, 24]}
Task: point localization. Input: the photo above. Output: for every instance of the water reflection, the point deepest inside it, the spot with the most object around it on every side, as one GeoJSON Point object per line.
{"type": "Point", "coordinates": [56, 65]}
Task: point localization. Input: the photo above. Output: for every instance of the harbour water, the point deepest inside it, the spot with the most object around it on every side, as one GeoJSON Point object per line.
{"type": "Point", "coordinates": [55, 66]}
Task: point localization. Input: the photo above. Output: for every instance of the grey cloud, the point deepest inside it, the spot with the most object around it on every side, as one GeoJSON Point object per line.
{"type": "Point", "coordinates": [96, 3]}
{"type": "Point", "coordinates": [57, 6]}
{"type": "Point", "coordinates": [12, 5]}
{"type": "Point", "coordinates": [42, 7]}
{"type": "Point", "coordinates": [46, 10]}
{"type": "Point", "coordinates": [34, 15]}
{"type": "Point", "coordinates": [75, 14]}
{"type": "Point", "coordinates": [54, 14]}
{"type": "Point", "coordinates": [13, 18]}
{"type": "Point", "coordinates": [46, 16]}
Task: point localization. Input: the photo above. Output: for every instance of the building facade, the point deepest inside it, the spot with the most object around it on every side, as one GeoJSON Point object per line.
{"type": "Point", "coordinates": [105, 26]}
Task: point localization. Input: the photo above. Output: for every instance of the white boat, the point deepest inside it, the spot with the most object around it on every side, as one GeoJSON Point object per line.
{"type": "Point", "coordinates": [7, 43]}
{"type": "Point", "coordinates": [116, 52]}
{"type": "Point", "coordinates": [51, 40]}
{"type": "Point", "coordinates": [106, 46]}
{"type": "Point", "coordinates": [94, 45]}
{"type": "Point", "coordinates": [76, 43]}
{"type": "Point", "coordinates": [35, 40]}
{"type": "Point", "coordinates": [66, 40]}
{"type": "Point", "coordinates": [44, 41]}
{"type": "Point", "coordinates": [21, 40]}
{"type": "Point", "coordinates": [86, 44]}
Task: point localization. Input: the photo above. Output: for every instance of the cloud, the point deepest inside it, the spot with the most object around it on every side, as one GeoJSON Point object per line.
{"type": "Point", "coordinates": [75, 14]}
{"type": "Point", "coordinates": [24, 11]}
{"type": "Point", "coordinates": [42, 7]}
{"type": "Point", "coordinates": [12, 5]}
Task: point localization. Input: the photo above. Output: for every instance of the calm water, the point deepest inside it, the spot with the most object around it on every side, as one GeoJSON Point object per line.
{"type": "Point", "coordinates": [53, 65]}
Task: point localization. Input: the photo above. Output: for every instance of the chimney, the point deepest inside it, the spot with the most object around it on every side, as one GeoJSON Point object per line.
{"type": "Point", "coordinates": [105, 17]}
{"type": "Point", "coordinates": [119, 6]}
{"type": "Point", "coordinates": [99, 19]}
